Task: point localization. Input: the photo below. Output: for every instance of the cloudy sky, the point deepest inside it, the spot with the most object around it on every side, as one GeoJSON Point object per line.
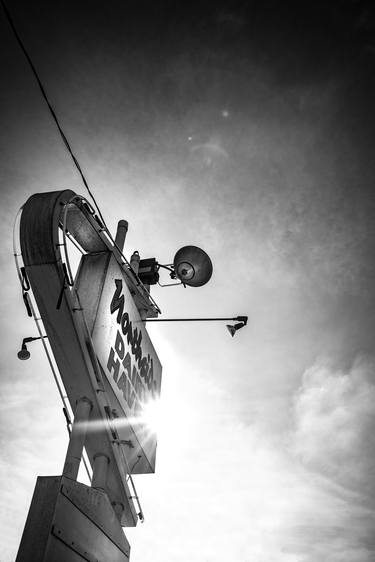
{"type": "Point", "coordinates": [247, 129]}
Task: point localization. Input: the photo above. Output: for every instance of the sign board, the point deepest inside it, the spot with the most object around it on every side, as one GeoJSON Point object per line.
{"type": "Point", "coordinates": [96, 333]}
{"type": "Point", "coordinates": [127, 357]}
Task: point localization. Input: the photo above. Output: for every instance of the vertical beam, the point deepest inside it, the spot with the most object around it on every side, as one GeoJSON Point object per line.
{"type": "Point", "coordinates": [99, 475]}
{"type": "Point", "coordinates": [77, 438]}
{"type": "Point", "coordinates": [134, 262]}
{"type": "Point", "coordinates": [122, 229]}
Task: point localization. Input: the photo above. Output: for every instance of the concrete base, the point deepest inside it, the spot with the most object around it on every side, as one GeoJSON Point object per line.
{"type": "Point", "coordinates": [70, 522]}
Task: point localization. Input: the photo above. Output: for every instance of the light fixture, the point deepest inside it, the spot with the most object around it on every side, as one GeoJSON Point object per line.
{"type": "Point", "coordinates": [241, 321]}
{"type": "Point", "coordinates": [24, 353]}
{"type": "Point", "coordinates": [191, 267]}
{"type": "Point", "coordinates": [233, 329]}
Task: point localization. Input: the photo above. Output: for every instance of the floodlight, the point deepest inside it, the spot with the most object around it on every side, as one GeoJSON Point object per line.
{"type": "Point", "coordinates": [233, 329]}
{"type": "Point", "coordinates": [192, 266]}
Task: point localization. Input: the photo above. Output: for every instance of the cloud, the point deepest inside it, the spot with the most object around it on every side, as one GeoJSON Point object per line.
{"type": "Point", "coordinates": [335, 425]}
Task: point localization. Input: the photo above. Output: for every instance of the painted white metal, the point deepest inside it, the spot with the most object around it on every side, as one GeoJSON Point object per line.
{"type": "Point", "coordinates": [129, 363]}
{"type": "Point", "coordinates": [69, 323]}
{"type": "Point", "coordinates": [122, 229]}
{"type": "Point", "coordinates": [100, 470]}
{"type": "Point", "coordinates": [71, 522]}
{"type": "Point", "coordinates": [77, 438]}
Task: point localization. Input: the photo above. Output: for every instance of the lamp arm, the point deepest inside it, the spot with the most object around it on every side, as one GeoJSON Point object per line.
{"type": "Point", "coordinates": [28, 340]}
{"type": "Point", "coordinates": [169, 267]}
{"type": "Point", "coordinates": [239, 318]}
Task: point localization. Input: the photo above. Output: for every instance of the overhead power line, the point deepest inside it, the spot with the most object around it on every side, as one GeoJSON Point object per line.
{"type": "Point", "coordinates": [51, 110]}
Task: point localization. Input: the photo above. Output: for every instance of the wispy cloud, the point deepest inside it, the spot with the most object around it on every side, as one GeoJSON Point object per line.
{"type": "Point", "coordinates": [335, 424]}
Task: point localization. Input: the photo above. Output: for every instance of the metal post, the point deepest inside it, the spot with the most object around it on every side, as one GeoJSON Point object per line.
{"type": "Point", "coordinates": [118, 508]}
{"type": "Point", "coordinates": [77, 438]}
{"type": "Point", "coordinates": [134, 262]}
{"type": "Point", "coordinates": [122, 229]}
{"type": "Point", "coordinates": [99, 475]}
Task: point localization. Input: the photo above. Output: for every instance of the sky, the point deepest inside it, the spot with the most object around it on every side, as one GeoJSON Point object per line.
{"type": "Point", "coordinates": [245, 128]}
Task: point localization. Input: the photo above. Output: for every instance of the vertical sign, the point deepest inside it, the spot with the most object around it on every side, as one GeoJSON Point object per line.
{"type": "Point", "coordinates": [127, 359]}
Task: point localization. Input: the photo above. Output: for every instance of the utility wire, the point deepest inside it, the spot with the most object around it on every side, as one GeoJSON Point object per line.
{"type": "Point", "coordinates": [68, 147]}
{"type": "Point", "coordinates": [52, 111]}
{"type": "Point", "coordinates": [66, 142]}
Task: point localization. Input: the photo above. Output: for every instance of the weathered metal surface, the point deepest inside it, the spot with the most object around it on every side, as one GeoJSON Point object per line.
{"type": "Point", "coordinates": [68, 522]}
{"type": "Point", "coordinates": [84, 229]}
{"type": "Point", "coordinates": [129, 364]}
{"type": "Point", "coordinates": [77, 438]}
{"type": "Point", "coordinates": [39, 519]}
{"type": "Point", "coordinates": [38, 229]}
{"type": "Point", "coordinates": [75, 357]}
{"type": "Point", "coordinates": [70, 337]}
{"type": "Point", "coordinates": [89, 283]}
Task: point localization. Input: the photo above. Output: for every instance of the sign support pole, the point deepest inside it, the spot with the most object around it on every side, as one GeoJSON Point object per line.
{"type": "Point", "coordinates": [100, 469]}
{"type": "Point", "coordinates": [68, 520]}
{"type": "Point", "coordinates": [77, 438]}
{"type": "Point", "coordinates": [122, 229]}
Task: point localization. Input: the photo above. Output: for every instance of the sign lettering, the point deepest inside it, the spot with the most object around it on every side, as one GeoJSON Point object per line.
{"type": "Point", "coordinates": [131, 370]}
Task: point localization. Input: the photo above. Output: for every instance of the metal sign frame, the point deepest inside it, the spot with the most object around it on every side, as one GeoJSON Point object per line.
{"type": "Point", "coordinates": [71, 324]}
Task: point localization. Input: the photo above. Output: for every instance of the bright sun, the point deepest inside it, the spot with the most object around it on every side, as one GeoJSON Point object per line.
{"type": "Point", "coordinates": [152, 415]}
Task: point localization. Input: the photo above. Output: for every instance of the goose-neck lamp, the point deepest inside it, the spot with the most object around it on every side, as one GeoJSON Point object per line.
{"type": "Point", "coordinates": [24, 353]}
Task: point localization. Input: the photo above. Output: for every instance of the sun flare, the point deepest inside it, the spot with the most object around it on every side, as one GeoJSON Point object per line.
{"type": "Point", "coordinates": [152, 415]}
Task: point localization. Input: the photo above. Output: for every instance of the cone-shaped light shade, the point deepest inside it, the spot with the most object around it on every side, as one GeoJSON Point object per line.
{"type": "Point", "coordinates": [192, 266]}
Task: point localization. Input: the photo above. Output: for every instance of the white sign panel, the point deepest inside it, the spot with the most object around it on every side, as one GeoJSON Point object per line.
{"type": "Point", "coordinates": [126, 354]}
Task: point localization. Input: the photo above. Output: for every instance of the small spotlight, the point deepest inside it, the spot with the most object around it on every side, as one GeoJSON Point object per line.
{"type": "Point", "coordinates": [23, 353]}
{"type": "Point", "coordinates": [233, 329]}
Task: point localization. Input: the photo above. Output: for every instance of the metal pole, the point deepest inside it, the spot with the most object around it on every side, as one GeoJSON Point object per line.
{"type": "Point", "coordinates": [134, 262]}
{"type": "Point", "coordinates": [77, 438]}
{"type": "Point", "coordinates": [122, 229]}
{"type": "Point", "coordinates": [191, 319]}
{"type": "Point", "coordinates": [99, 474]}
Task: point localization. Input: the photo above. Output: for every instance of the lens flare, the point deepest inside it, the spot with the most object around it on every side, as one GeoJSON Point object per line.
{"type": "Point", "coordinates": [152, 415]}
